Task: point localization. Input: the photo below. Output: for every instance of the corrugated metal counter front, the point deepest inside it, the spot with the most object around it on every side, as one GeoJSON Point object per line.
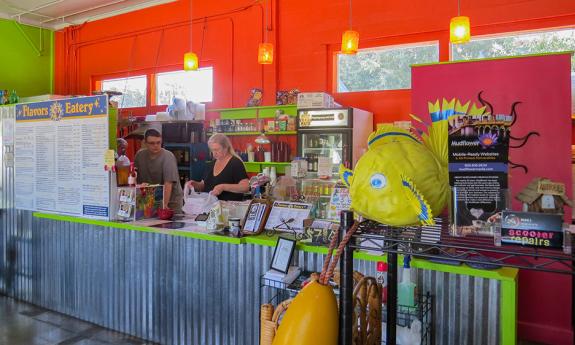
{"type": "Point", "coordinates": [176, 287]}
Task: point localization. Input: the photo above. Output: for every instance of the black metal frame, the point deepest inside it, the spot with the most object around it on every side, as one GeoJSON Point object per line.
{"type": "Point", "coordinates": [409, 240]}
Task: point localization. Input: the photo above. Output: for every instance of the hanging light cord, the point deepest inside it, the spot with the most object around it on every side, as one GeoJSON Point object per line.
{"type": "Point", "coordinates": [350, 14]}
{"type": "Point", "coordinates": [458, 8]}
{"type": "Point", "coordinates": [191, 26]}
{"type": "Point", "coordinates": [265, 23]}
{"type": "Point", "coordinates": [203, 37]}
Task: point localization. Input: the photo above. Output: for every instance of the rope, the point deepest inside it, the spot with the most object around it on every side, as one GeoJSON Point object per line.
{"type": "Point", "coordinates": [330, 263]}
{"type": "Point", "coordinates": [328, 256]}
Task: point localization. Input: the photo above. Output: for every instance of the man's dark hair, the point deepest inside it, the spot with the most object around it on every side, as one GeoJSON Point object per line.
{"type": "Point", "coordinates": [151, 133]}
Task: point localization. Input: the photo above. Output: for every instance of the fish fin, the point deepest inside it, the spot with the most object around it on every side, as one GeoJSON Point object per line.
{"type": "Point", "coordinates": [461, 109]}
{"type": "Point", "coordinates": [476, 111]}
{"type": "Point", "coordinates": [345, 175]}
{"type": "Point", "coordinates": [417, 200]}
{"type": "Point", "coordinates": [447, 109]}
{"type": "Point", "coordinates": [418, 119]}
{"type": "Point", "coordinates": [389, 133]}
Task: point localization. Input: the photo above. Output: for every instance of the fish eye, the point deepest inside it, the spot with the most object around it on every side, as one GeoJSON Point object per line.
{"type": "Point", "coordinates": [378, 181]}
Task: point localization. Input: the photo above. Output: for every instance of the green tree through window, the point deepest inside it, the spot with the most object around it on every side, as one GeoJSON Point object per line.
{"type": "Point", "coordinates": [517, 44]}
{"type": "Point", "coordinates": [386, 68]}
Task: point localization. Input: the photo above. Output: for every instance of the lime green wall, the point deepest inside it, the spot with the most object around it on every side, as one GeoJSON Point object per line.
{"type": "Point", "coordinates": [26, 63]}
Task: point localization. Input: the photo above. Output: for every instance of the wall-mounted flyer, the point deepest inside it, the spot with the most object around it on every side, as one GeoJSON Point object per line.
{"type": "Point", "coordinates": [59, 157]}
{"type": "Point", "coordinates": [478, 167]}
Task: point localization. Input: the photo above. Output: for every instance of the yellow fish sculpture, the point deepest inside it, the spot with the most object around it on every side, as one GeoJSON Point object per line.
{"type": "Point", "coordinates": [403, 180]}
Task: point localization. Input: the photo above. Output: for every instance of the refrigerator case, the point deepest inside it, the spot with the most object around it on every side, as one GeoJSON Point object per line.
{"type": "Point", "coordinates": [340, 134]}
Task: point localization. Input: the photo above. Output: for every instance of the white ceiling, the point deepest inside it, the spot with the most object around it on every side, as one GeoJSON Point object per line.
{"type": "Point", "coordinates": [57, 14]}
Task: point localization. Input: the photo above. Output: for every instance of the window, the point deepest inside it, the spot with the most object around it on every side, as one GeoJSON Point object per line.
{"type": "Point", "coordinates": [386, 68]}
{"type": "Point", "coordinates": [194, 86]}
{"type": "Point", "coordinates": [559, 40]}
{"type": "Point", "coordinates": [517, 44]}
{"type": "Point", "coordinates": [133, 91]}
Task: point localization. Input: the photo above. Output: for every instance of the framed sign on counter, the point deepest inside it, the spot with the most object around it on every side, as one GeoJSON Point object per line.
{"type": "Point", "coordinates": [59, 150]}
{"type": "Point", "coordinates": [283, 254]}
{"type": "Point", "coordinates": [256, 216]}
{"type": "Point", "coordinates": [288, 216]}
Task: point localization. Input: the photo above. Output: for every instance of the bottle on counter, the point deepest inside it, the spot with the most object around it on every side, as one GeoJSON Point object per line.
{"type": "Point", "coordinates": [381, 278]}
{"type": "Point", "coordinates": [406, 289]}
{"type": "Point", "coordinates": [122, 170]}
{"type": "Point", "coordinates": [273, 176]}
{"type": "Point", "coordinates": [14, 97]}
{"type": "Point", "coordinates": [133, 177]}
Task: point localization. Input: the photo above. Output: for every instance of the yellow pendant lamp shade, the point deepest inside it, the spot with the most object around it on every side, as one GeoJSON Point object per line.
{"type": "Point", "coordinates": [349, 42]}
{"type": "Point", "coordinates": [265, 53]}
{"type": "Point", "coordinates": [190, 62]}
{"type": "Point", "coordinates": [459, 30]}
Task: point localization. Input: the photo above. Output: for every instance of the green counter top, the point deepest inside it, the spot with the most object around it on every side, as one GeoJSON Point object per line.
{"type": "Point", "coordinates": [502, 274]}
{"type": "Point", "coordinates": [128, 226]}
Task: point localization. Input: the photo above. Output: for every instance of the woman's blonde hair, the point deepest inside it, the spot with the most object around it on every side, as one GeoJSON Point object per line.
{"type": "Point", "coordinates": [224, 142]}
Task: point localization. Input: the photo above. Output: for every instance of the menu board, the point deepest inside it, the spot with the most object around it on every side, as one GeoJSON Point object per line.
{"type": "Point", "coordinates": [59, 157]}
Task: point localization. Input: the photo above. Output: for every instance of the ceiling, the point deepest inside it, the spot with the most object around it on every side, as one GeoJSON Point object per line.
{"type": "Point", "coordinates": [57, 14]}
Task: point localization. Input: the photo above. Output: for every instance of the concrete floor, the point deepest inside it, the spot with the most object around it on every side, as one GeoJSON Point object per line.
{"type": "Point", "coordinates": [25, 324]}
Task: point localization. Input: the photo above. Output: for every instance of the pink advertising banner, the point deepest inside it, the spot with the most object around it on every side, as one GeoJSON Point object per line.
{"type": "Point", "coordinates": [542, 85]}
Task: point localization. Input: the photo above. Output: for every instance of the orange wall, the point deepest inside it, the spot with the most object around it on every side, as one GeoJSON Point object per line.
{"type": "Point", "coordinates": [306, 35]}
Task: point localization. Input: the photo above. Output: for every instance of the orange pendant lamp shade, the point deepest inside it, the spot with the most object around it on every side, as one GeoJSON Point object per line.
{"type": "Point", "coordinates": [190, 62]}
{"type": "Point", "coordinates": [265, 53]}
{"type": "Point", "coordinates": [349, 42]}
{"type": "Point", "coordinates": [459, 30]}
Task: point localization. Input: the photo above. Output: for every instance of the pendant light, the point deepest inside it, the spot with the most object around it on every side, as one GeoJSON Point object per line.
{"type": "Point", "coordinates": [190, 58]}
{"type": "Point", "coordinates": [265, 49]}
{"type": "Point", "coordinates": [459, 28]}
{"type": "Point", "coordinates": [350, 38]}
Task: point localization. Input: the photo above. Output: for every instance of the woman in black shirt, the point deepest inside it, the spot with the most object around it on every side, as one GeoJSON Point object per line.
{"type": "Point", "coordinates": [226, 176]}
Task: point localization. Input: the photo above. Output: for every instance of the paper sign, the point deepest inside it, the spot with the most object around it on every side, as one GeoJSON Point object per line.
{"type": "Point", "coordinates": [288, 216]}
{"type": "Point", "coordinates": [109, 159]}
{"type": "Point", "coordinates": [548, 187]}
{"type": "Point", "coordinates": [324, 166]}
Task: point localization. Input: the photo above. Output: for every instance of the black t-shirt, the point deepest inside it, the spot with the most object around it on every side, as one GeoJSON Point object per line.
{"type": "Point", "coordinates": [233, 173]}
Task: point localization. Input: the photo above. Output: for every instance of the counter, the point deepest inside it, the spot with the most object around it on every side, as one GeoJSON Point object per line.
{"type": "Point", "coordinates": [185, 287]}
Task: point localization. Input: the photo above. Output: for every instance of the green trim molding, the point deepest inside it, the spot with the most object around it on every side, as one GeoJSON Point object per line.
{"type": "Point", "coordinates": [506, 276]}
{"type": "Point", "coordinates": [263, 112]}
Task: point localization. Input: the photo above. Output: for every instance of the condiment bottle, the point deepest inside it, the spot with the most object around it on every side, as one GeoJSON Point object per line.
{"type": "Point", "coordinates": [381, 278]}
{"type": "Point", "coordinates": [122, 170]}
{"type": "Point", "coordinates": [133, 176]}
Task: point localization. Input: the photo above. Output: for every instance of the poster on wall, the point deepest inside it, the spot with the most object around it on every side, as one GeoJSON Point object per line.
{"type": "Point", "coordinates": [478, 148]}
{"type": "Point", "coordinates": [534, 91]}
{"type": "Point", "coordinates": [59, 157]}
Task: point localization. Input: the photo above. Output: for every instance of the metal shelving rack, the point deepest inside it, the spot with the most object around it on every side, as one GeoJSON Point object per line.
{"type": "Point", "coordinates": [434, 243]}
